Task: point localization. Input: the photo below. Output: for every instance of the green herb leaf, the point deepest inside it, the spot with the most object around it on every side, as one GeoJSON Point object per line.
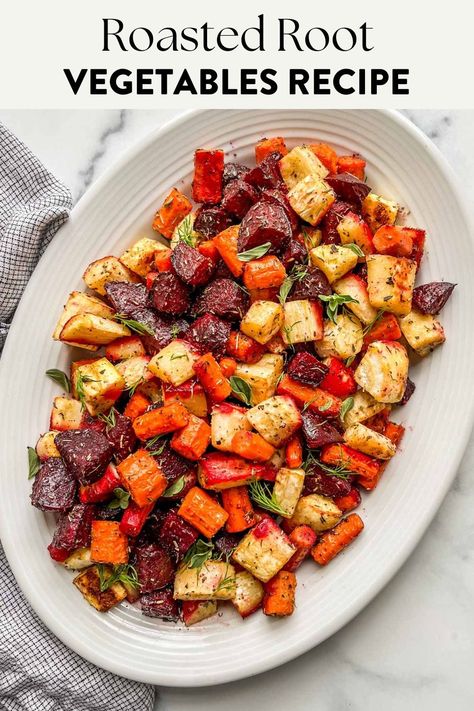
{"type": "Point", "coordinates": [298, 273]}
{"type": "Point", "coordinates": [241, 388]}
{"type": "Point", "coordinates": [125, 574]}
{"type": "Point", "coordinates": [347, 405]}
{"type": "Point", "coordinates": [109, 419]}
{"type": "Point", "coordinates": [265, 497]}
{"type": "Point", "coordinates": [198, 554]}
{"type": "Point", "coordinates": [254, 253]}
{"type": "Point", "coordinates": [137, 326]}
{"type": "Point", "coordinates": [174, 331]}
{"type": "Point", "coordinates": [176, 487]}
{"type": "Point", "coordinates": [33, 463]}
{"type": "Point", "coordinates": [354, 248]}
{"type": "Point", "coordinates": [151, 444]}
{"type": "Point", "coordinates": [131, 389]}
{"type": "Point", "coordinates": [185, 231]}
{"type": "Point", "coordinates": [333, 303]}
{"type": "Point", "coordinates": [120, 500]}
{"type": "Point", "coordinates": [340, 471]}
{"type": "Point", "coordinates": [60, 378]}
{"type": "Point", "coordinates": [227, 583]}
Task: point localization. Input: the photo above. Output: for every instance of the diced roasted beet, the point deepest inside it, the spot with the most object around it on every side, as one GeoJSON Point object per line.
{"type": "Point", "coordinates": [331, 220]}
{"type": "Point", "coordinates": [278, 196]}
{"type": "Point", "coordinates": [104, 513]}
{"type": "Point", "coordinates": [319, 482]}
{"type": "Point", "coordinates": [307, 369]}
{"type": "Point", "coordinates": [317, 431]}
{"type": "Point", "coordinates": [226, 543]}
{"type": "Point", "coordinates": [172, 464]}
{"type": "Point", "coordinates": [73, 529]}
{"type": "Point", "coordinates": [264, 222]}
{"type": "Point", "coordinates": [239, 197]}
{"type": "Point", "coordinates": [210, 220]}
{"type": "Point", "coordinates": [233, 171]}
{"type": "Point", "coordinates": [177, 535]}
{"type": "Point", "coordinates": [348, 187]}
{"type": "Point", "coordinates": [161, 604]}
{"type": "Point", "coordinates": [121, 437]}
{"type": "Point", "coordinates": [150, 532]}
{"type": "Point", "coordinates": [164, 329]}
{"type": "Point", "coordinates": [223, 298]}
{"type": "Point", "coordinates": [92, 423]}
{"type": "Point", "coordinates": [54, 486]}
{"type": "Point", "coordinates": [430, 298]}
{"type": "Point", "coordinates": [410, 388]}
{"type": "Point", "coordinates": [210, 333]}
{"type": "Point", "coordinates": [222, 271]}
{"type": "Point", "coordinates": [154, 567]}
{"type": "Point", "coordinates": [361, 271]}
{"type": "Point", "coordinates": [85, 453]}
{"type": "Point", "coordinates": [267, 173]}
{"type": "Point", "coordinates": [126, 297]}
{"type": "Point", "coordinates": [170, 295]}
{"type": "Point", "coordinates": [295, 253]}
{"type": "Point", "coordinates": [190, 265]}
{"type": "Point", "coordinates": [313, 284]}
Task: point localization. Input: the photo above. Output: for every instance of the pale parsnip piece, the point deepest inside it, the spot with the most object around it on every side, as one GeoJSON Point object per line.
{"type": "Point", "coordinates": [80, 303]}
{"type": "Point", "coordinates": [102, 385]}
{"type": "Point", "coordinates": [275, 419]}
{"type": "Point", "coordinates": [185, 229]}
{"type": "Point", "coordinates": [66, 414]}
{"type": "Point", "coordinates": [88, 583]}
{"type": "Point", "coordinates": [203, 609]}
{"type": "Point", "coordinates": [174, 363]}
{"type": "Point", "coordinates": [390, 282]}
{"type": "Point", "coordinates": [249, 593]}
{"type": "Point", "coordinates": [134, 370]}
{"type": "Point", "coordinates": [45, 446]}
{"type": "Point", "coordinates": [226, 421]}
{"type": "Point", "coordinates": [288, 487]}
{"type": "Point", "coordinates": [214, 580]}
{"type": "Point", "coordinates": [353, 285]}
{"type": "Point", "coordinates": [342, 339]}
{"type": "Point", "coordinates": [364, 408]}
{"type": "Point", "coordinates": [262, 376]}
{"type": "Point", "coordinates": [311, 198]}
{"type": "Point", "coordinates": [423, 332]}
{"type": "Point", "coordinates": [106, 269]}
{"type": "Point", "coordinates": [333, 260]}
{"type": "Point", "coordinates": [139, 258]}
{"type": "Point", "coordinates": [92, 330]}
{"type": "Point", "coordinates": [383, 371]}
{"type": "Point", "coordinates": [378, 211]}
{"type": "Point", "coordinates": [303, 321]}
{"type": "Point", "coordinates": [264, 550]}
{"type": "Point", "coordinates": [369, 442]}
{"type": "Point", "coordinates": [262, 321]}
{"type": "Point", "coordinates": [300, 163]}
{"type": "Point", "coordinates": [79, 559]}
{"type": "Point", "coordinates": [318, 512]}
{"type": "Point", "coordinates": [352, 229]}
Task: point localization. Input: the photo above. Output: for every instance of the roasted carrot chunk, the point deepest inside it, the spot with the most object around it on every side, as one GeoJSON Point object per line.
{"type": "Point", "coordinates": [393, 240]}
{"type": "Point", "coordinates": [108, 543]}
{"type": "Point", "coordinates": [340, 455]}
{"type": "Point", "coordinates": [334, 541]}
{"type": "Point", "coordinates": [236, 501]}
{"type": "Point", "coordinates": [279, 598]}
{"type": "Point", "coordinates": [264, 273]}
{"type": "Point", "coordinates": [174, 209]}
{"type": "Point", "coordinates": [268, 294]}
{"type": "Point", "coordinates": [160, 421]}
{"type": "Point", "coordinates": [193, 440]}
{"type": "Point", "coordinates": [349, 502]}
{"type": "Point", "coordinates": [228, 366]}
{"type": "Point", "coordinates": [294, 453]}
{"type": "Point", "coordinates": [163, 260]}
{"type": "Point", "coordinates": [226, 245]}
{"type": "Point", "coordinates": [142, 477]}
{"type": "Point", "coordinates": [209, 249]}
{"type": "Point", "coordinates": [352, 164]}
{"type": "Point", "coordinates": [265, 146]}
{"type": "Point", "coordinates": [243, 348]}
{"type": "Point", "coordinates": [378, 422]}
{"type": "Point", "coordinates": [208, 171]}
{"type": "Point", "coordinates": [314, 398]}
{"type": "Point", "coordinates": [326, 155]}
{"type": "Point", "coordinates": [211, 378]}
{"type": "Point", "coordinates": [250, 445]}
{"type": "Point", "coordinates": [203, 512]}
{"type": "Point", "coordinates": [385, 329]}
{"type": "Point", "coordinates": [136, 406]}
{"type": "Point", "coordinates": [303, 538]}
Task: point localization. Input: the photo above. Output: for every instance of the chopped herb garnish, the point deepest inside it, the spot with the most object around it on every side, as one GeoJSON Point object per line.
{"type": "Point", "coordinates": [79, 386]}
{"type": "Point", "coordinates": [354, 248]}
{"type": "Point", "coordinates": [265, 497]}
{"type": "Point", "coordinates": [174, 331]}
{"type": "Point", "coordinates": [368, 327]}
{"type": "Point", "coordinates": [340, 471]}
{"type": "Point", "coordinates": [347, 405]}
{"type": "Point", "coordinates": [241, 388]}
{"type": "Point", "coordinates": [185, 231]}
{"type": "Point", "coordinates": [33, 463]}
{"type": "Point", "coordinates": [333, 303]}
{"type": "Point", "coordinates": [120, 500]}
{"type": "Point", "coordinates": [151, 444]}
{"type": "Point", "coordinates": [175, 487]}
{"type": "Point", "coordinates": [227, 583]}
{"type": "Point", "coordinates": [131, 388]}
{"type": "Point", "coordinates": [298, 273]}
{"type": "Point", "coordinates": [254, 253]}
{"type": "Point", "coordinates": [125, 574]}
{"type": "Point", "coordinates": [60, 378]}
{"type": "Point", "coordinates": [199, 553]}
{"type": "Point", "coordinates": [137, 326]}
{"type": "Point", "coordinates": [109, 419]}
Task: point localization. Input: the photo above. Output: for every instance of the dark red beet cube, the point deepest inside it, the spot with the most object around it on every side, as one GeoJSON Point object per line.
{"type": "Point", "coordinates": [73, 529]}
{"type": "Point", "coordinates": [170, 295]}
{"type": "Point", "coordinates": [307, 369]}
{"type": "Point", "coordinates": [126, 297]}
{"type": "Point", "coordinates": [331, 220]}
{"type": "Point", "coordinates": [171, 463]}
{"type": "Point", "coordinates": [410, 388]}
{"type": "Point", "coordinates": [226, 543]}
{"type": "Point", "coordinates": [210, 333]}
{"type": "Point", "coordinates": [295, 253]}
{"type": "Point", "coordinates": [164, 329]}
{"type": "Point", "coordinates": [223, 298]}
{"type": "Point", "coordinates": [210, 220]}
{"type": "Point", "coordinates": [430, 298]}
{"type": "Point", "coordinates": [264, 222]}
{"type": "Point", "coordinates": [54, 487]}
{"type": "Point", "coordinates": [319, 482]}
{"type": "Point", "coordinates": [317, 431]}
{"type": "Point", "coordinates": [267, 173]}
{"type": "Point", "coordinates": [154, 567]}
{"type": "Point", "coordinates": [238, 198]}
{"type": "Point", "coordinates": [190, 265]}
{"type": "Point", "coordinates": [348, 187]}
{"type": "Point", "coordinates": [278, 196]}
{"type": "Point", "coordinates": [161, 604]}
{"type": "Point", "coordinates": [233, 171]}
{"type": "Point", "coordinates": [85, 453]}
{"type": "Point", "coordinates": [177, 535]}
{"type": "Point", "coordinates": [121, 436]}
{"type": "Point", "coordinates": [312, 284]}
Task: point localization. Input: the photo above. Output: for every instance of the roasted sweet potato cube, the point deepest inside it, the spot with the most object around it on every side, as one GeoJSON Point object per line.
{"type": "Point", "coordinates": [108, 543]}
{"type": "Point", "coordinates": [174, 209]}
{"type": "Point", "coordinates": [279, 599]}
{"type": "Point", "coordinates": [142, 477]}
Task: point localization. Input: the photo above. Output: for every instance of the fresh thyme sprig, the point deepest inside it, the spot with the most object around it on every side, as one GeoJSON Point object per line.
{"type": "Point", "coordinates": [340, 471]}
{"type": "Point", "coordinates": [137, 326]}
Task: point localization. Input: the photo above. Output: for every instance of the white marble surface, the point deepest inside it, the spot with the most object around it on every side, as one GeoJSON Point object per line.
{"type": "Point", "coordinates": [413, 646]}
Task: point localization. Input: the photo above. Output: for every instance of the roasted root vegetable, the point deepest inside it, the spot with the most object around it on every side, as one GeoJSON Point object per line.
{"type": "Point", "coordinates": [80, 303]}
{"type": "Point", "coordinates": [390, 282]}
{"type": "Point", "coordinates": [100, 385]}
{"type": "Point", "coordinates": [275, 419]}
{"type": "Point", "coordinates": [88, 583]}
{"type": "Point", "coordinates": [248, 593]}
{"type": "Point", "coordinates": [221, 471]}
{"type": "Point", "coordinates": [261, 377]}
{"type": "Point", "coordinates": [294, 452]}
{"type": "Point", "coordinates": [161, 421]}
{"type": "Point", "coordinates": [317, 512]}
{"type": "Point", "coordinates": [279, 598]}
{"type": "Point", "coordinates": [311, 198]}
{"type": "Point", "coordinates": [174, 209]}
{"type": "Point", "coordinates": [45, 446]}
{"type": "Point", "coordinates": [124, 348]}
{"type": "Point", "coordinates": [236, 501]}
{"type": "Point", "coordinates": [105, 270]}
{"type": "Point", "coordinates": [346, 458]}
{"type": "Point", "coordinates": [369, 442]}
{"type": "Point", "coordinates": [301, 162]}
{"type": "Point", "coordinates": [108, 543]}
{"type": "Point", "coordinates": [174, 363]}
{"type": "Point", "coordinates": [214, 580]}
{"type": "Point", "coordinates": [266, 146]}
{"type": "Point", "coordinates": [139, 258]}
{"type": "Point", "coordinates": [243, 348]}
{"type": "Point", "coordinates": [203, 512]}
{"type": "Point", "coordinates": [383, 371]}
{"type": "Point", "coordinates": [262, 321]}
{"type": "Point", "coordinates": [423, 332]}
{"type": "Point", "coordinates": [226, 421]}
{"type": "Point", "coordinates": [193, 440]}
{"type": "Point", "coordinates": [303, 322]}
{"type": "Point", "coordinates": [333, 542]}
{"type": "Point", "coordinates": [250, 445]}
{"type": "Point", "coordinates": [195, 611]}
{"type": "Point", "coordinates": [91, 330]}
{"type": "Point", "coordinates": [342, 338]}
{"type": "Point", "coordinates": [310, 398]}
{"type": "Point", "coordinates": [303, 538]}
{"type": "Point", "coordinates": [142, 477]}
{"type": "Point", "coordinates": [333, 260]}
{"type": "Point", "coordinates": [226, 245]}
{"type": "Point", "coordinates": [264, 273]}
{"type": "Point", "coordinates": [379, 211]}
{"type": "Point", "coordinates": [208, 172]}
{"type": "Point", "coordinates": [287, 490]}
{"type": "Point", "coordinates": [211, 378]}
{"type": "Point", "coordinates": [264, 550]}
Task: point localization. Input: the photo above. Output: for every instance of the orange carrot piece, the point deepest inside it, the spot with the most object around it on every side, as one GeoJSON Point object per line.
{"type": "Point", "coordinates": [378, 422]}
{"type": "Point", "coordinates": [108, 543]}
{"type": "Point", "coordinates": [279, 598]}
{"type": "Point", "coordinates": [340, 455]}
{"type": "Point", "coordinates": [250, 445]}
{"type": "Point", "coordinates": [351, 164]}
{"type": "Point", "coordinates": [264, 273]}
{"type": "Point", "coordinates": [386, 329]}
{"type": "Point", "coordinates": [393, 240]}
{"type": "Point", "coordinates": [326, 155]}
{"type": "Point", "coordinates": [349, 502]}
{"type": "Point", "coordinates": [243, 348]}
{"type": "Point", "coordinates": [163, 260]}
{"type": "Point", "coordinates": [334, 541]}
{"type": "Point", "coordinates": [203, 512]}
{"type": "Point", "coordinates": [211, 378]}
{"type": "Point", "coordinates": [268, 294]}
{"type": "Point", "coordinates": [208, 171]}
{"type": "Point", "coordinates": [294, 452]}
{"type": "Point", "coordinates": [236, 501]}
{"type": "Point", "coordinates": [418, 237]}
{"type": "Point", "coordinates": [161, 421]}
{"type": "Point", "coordinates": [136, 406]}
{"type": "Point", "coordinates": [209, 249]}
{"type": "Point", "coordinates": [303, 538]}
{"type": "Point", "coordinates": [314, 398]}
{"type": "Point", "coordinates": [193, 440]}
{"type": "Point", "coordinates": [142, 477]}
{"type": "Point", "coordinates": [226, 245]}
{"type": "Point", "coordinates": [265, 146]}
{"type": "Point", "coordinates": [228, 366]}
{"type": "Point", "coordinates": [174, 209]}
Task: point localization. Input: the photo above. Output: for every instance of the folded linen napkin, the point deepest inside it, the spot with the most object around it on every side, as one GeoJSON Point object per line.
{"type": "Point", "coordinates": [37, 672]}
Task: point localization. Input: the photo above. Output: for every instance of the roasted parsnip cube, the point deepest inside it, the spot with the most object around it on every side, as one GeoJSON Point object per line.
{"type": "Point", "coordinates": [303, 321]}
{"type": "Point", "coordinates": [312, 237]}
{"type": "Point", "coordinates": [378, 211]}
{"type": "Point", "coordinates": [262, 321]}
{"type": "Point", "coordinates": [311, 198]}
{"type": "Point", "coordinates": [390, 282]}
{"type": "Point", "coordinates": [195, 611]}
{"type": "Point", "coordinates": [300, 163]}
{"type": "Point", "coordinates": [80, 303]}
{"type": "Point", "coordinates": [106, 269]}
{"type": "Point", "coordinates": [364, 408]}
{"type": "Point", "coordinates": [369, 442]}
{"type": "Point", "coordinates": [383, 371]}
{"type": "Point", "coordinates": [92, 330]}
{"type": "Point", "coordinates": [342, 339]}
{"type": "Point", "coordinates": [66, 414]}
{"type": "Point", "coordinates": [275, 419]}
{"type": "Point", "coordinates": [333, 260]}
{"type": "Point", "coordinates": [318, 512]}
{"type": "Point", "coordinates": [214, 580]}
{"type": "Point", "coordinates": [174, 363]}
{"type": "Point", "coordinates": [423, 332]}
{"type": "Point", "coordinates": [88, 583]}
{"type": "Point", "coordinates": [352, 229]}
{"type": "Point", "coordinates": [134, 370]}
{"type": "Point", "coordinates": [139, 258]}
{"type": "Point", "coordinates": [353, 285]}
{"type": "Point", "coordinates": [190, 394]}
{"type": "Point", "coordinates": [45, 446]}
{"type": "Point", "coordinates": [264, 550]}
{"type": "Point", "coordinates": [226, 421]}
{"type": "Point", "coordinates": [261, 376]}
{"type": "Point", "coordinates": [102, 385]}
{"type": "Point", "coordinates": [288, 487]}
{"type": "Point", "coordinates": [248, 593]}
{"type": "Point", "coordinates": [79, 559]}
